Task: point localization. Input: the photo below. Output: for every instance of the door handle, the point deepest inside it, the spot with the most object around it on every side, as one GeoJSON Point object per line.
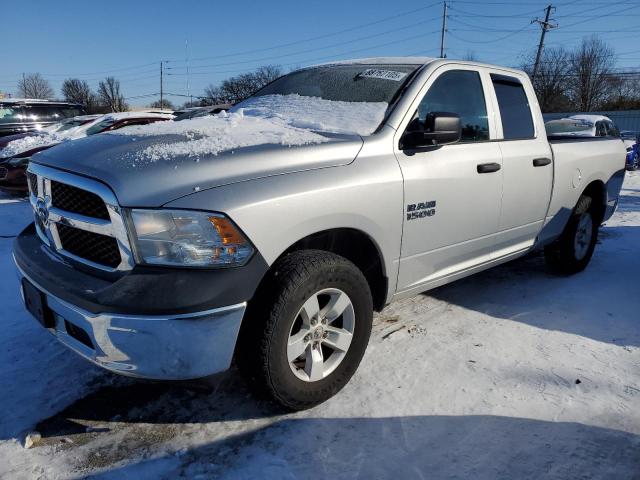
{"type": "Point", "coordinates": [488, 167]}
{"type": "Point", "coordinates": [541, 162]}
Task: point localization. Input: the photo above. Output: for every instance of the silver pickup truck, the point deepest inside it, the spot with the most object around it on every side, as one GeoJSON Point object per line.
{"type": "Point", "coordinates": [268, 235]}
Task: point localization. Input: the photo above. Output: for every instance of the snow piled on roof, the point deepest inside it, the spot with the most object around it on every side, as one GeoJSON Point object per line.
{"type": "Point", "coordinates": [271, 119]}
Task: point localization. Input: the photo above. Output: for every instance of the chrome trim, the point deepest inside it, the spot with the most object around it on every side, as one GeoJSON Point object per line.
{"type": "Point", "coordinates": [114, 227]}
{"type": "Point", "coordinates": [199, 343]}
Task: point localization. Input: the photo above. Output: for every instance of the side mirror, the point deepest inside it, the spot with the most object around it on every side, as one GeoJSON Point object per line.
{"type": "Point", "coordinates": [440, 128]}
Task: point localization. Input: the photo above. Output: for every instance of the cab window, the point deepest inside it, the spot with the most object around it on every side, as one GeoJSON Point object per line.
{"type": "Point", "coordinates": [612, 130]}
{"type": "Point", "coordinates": [515, 112]}
{"type": "Point", "coordinates": [459, 92]}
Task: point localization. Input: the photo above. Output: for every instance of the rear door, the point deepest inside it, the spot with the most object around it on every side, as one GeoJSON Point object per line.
{"type": "Point", "coordinates": [452, 205]}
{"type": "Point", "coordinates": [527, 167]}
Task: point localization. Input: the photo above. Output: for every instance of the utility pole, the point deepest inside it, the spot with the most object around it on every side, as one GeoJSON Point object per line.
{"type": "Point", "coordinates": [545, 25]}
{"type": "Point", "coordinates": [186, 54]}
{"type": "Point", "coordinates": [161, 92]}
{"type": "Point", "coordinates": [444, 29]}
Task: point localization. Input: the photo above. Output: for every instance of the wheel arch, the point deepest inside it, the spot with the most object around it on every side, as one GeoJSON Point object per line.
{"type": "Point", "coordinates": [597, 191]}
{"type": "Point", "coordinates": [357, 247]}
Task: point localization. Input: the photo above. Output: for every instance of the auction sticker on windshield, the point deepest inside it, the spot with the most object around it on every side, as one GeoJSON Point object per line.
{"type": "Point", "coordinates": [384, 74]}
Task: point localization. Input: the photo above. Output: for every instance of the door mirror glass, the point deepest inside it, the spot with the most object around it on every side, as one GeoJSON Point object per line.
{"type": "Point", "coordinates": [438, 128]}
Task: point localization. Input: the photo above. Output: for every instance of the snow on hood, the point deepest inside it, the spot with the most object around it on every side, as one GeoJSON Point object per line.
{"type": "Point", "coordinates": [315, 113]}
{"type": "Point", "coordinates": [271, 119]}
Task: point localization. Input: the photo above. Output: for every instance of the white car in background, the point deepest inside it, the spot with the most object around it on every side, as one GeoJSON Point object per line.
{"type": "Point", "coordinates": [78, 127]}
{"type": "Point", "coordinates": [583, 126]}
{"type": "Point", "coordinates": [16, 154]}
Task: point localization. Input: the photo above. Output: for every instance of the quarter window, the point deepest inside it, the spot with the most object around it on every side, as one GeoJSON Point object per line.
{"type": "Point", "coordinates": [517, 122]}
{"type": "Point", "coordinates": [459, 92]}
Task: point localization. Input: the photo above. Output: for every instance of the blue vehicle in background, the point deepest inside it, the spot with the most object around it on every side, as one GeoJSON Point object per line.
{"type": "Point", "coordinates": [631, 141]}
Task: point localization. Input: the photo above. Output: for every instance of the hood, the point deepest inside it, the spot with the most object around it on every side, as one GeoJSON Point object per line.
{"type": "Point", "coordinates": [143, 182]}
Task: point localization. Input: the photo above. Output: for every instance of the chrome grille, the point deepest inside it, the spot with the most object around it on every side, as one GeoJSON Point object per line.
{"type": "Point", "coordinates": [76, 200]}
{"type": "Point", "coordinates": [92, 246]}
{"type": "Point", "coordinates": [33, 182]}
{"type": "Point", "coordinates": [79, 218]}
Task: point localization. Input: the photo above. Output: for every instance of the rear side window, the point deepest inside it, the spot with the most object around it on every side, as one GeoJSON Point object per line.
{"type": "Point", "coordinates": [51, 113]}
{"type": "Point", "coordinates": [517, 122]}
{"type": "Point", "coordinates": [10, 114]}
{"type": "Point", "coordinates": [612, 130]}
{"type": "Point", "coordinates": [459, 92]}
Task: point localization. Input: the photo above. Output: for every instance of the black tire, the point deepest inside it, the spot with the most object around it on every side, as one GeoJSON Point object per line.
{"type": "Point", "coordinates": [562, 256]}
{"type": "Point", "coordinates": [262, 346]}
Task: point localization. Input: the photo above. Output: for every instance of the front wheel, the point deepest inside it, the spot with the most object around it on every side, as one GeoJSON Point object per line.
{"type": "Point", "coordinates": [572, 252]}
{"type": "Point", "coordinates": [307, 330]}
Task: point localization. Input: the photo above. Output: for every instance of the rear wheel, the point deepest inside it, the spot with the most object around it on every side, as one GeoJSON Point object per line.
{"type": "Point", "coordinates": [572, 252]}
{"type": "Point", "coordinates": [306, 332]}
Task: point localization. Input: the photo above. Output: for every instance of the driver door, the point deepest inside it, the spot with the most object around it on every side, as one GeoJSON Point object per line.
{"type": "Point", "coordinates": [452, 199]}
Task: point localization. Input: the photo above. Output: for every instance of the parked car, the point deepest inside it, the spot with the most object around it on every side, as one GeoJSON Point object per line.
{"type": "Point", "coordinates": [631, 141]}
{"type": "Point", "coordinates": [24, 115]}
{"type": "Point", "coordinates": [16, 154]}
{"type": "Point", "coordinates": [270, 234]}
{"type": "Point", "coordinates": [196, 112]}
{"type": "Point", "coordinates": [57, 127]}
{"type": "Point", "coordinates": [583, 126]}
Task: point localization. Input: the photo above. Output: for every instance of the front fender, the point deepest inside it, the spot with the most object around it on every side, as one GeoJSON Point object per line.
{"type": "Point", "coordinates": [278, 211]}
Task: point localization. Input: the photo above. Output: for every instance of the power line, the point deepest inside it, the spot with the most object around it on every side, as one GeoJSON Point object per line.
{"type": "Point", "coordinates": [326, 57]}
{"type": "Point", "coordinates": [514, 32]}
{"type": "Point", "coordinates": [319, 37]}
{"type": "Point", "coordinates": [301, 52]}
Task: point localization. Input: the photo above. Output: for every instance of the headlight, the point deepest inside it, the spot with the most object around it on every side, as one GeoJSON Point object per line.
{"type": "Point", "coordinates": [187, 238]}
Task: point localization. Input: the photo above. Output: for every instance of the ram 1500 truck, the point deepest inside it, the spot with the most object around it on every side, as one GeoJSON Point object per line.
{"type": "Point", "coordinates": [269, 235]}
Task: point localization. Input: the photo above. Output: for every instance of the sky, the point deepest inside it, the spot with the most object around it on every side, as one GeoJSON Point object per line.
{"type": "Point", "coordinates": [129, 39]}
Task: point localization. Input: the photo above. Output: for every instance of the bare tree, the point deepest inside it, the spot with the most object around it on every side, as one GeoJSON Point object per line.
{"type": "Point", "coordinates": [624, 93]}
{"type": "Point", "coordinates": [236, 89]}
{"type": "Point", "coordinates": [34, 85]}
{"type": "Point", "coordinates": [78, 91]}
{"type": "Point", "coordinates": [552, 79]}
{"type": "Point", "coordinates": [109, 95]}
{"type": "Point", "coordinates": [164, 104]}
{"type": "Point", "coordinates": [591, 68]}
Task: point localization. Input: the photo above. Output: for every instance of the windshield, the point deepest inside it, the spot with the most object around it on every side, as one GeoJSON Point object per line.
{"type": "Point", "coordinates": [569, 127]}
{"type": "Point", "coordinates": [345, 83]}
{"type": "Point", "coordinates": [333, 98]}
{"type": "Point", "coordinates": [98, 127]}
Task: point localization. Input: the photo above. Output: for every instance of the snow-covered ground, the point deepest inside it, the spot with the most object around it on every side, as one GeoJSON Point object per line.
{"type": "Point", "coordinates": [512, 373]}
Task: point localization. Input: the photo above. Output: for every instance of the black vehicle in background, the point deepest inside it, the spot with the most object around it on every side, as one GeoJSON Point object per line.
{"type": "Point", "coordinates": [196, 112]}
{"type": "Point", "coordinates": [25, 115]}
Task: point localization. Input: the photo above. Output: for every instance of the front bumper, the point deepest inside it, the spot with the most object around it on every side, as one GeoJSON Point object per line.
{"type": "Point", "coordinates": [161, 347]}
